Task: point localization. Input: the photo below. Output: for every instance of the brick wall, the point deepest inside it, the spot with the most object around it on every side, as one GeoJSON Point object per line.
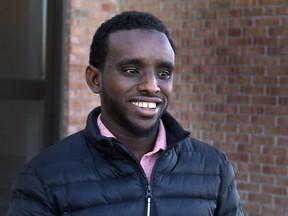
{"type": "Point", "coordinates": [231, 83]}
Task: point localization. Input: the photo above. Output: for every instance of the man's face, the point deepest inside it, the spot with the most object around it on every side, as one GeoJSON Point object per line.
{"type": "Point", "coordinates": [137, 80]}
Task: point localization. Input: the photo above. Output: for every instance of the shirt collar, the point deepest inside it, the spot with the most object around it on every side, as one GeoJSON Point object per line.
{"type": "Point", "coordinates": [160, 143]}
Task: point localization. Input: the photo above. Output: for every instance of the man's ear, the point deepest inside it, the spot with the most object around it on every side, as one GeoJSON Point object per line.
{"type": "Point", "coordinates": [93, 79]}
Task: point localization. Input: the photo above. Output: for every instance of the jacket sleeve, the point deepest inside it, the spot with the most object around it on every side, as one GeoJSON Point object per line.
{"type": "Point", "coordinates": [29, 196]}
{"type": "Point", "coordinates": [228, 203]}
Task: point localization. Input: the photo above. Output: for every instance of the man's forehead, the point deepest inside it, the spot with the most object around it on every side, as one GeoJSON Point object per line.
{"type": "Point", "coordinates": [124, 34]}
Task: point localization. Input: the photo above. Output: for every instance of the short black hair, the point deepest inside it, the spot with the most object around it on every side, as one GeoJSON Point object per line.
{"type": "Point", "coordinates": [127, 20]}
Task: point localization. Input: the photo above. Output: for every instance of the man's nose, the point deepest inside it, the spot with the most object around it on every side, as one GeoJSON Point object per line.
{"type": "Point", "coordinates": [149, 83]}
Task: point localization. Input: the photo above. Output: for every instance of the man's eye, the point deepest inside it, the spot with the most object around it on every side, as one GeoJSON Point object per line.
{"type": "Point", "coordinates": [164, 75]}
{"type": "Point", "coordinates": [130, 71]}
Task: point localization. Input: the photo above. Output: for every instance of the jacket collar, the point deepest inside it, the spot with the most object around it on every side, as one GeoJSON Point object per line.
{"type": "Point", "coordinates": [174, 131]}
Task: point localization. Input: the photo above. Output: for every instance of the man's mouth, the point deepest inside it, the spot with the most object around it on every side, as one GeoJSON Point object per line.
{"type": "Point", "coordinates": [147, 105]}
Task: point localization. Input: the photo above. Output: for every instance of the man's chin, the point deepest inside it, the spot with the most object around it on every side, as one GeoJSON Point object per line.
{"type": "Point", "coordinates": [144, 130]}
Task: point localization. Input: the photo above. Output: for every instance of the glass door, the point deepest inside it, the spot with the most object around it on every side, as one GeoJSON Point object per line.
{"type": "Point", "coordinates": [30, 80]}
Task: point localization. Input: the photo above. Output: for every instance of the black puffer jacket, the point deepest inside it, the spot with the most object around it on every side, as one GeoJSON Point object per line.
{"type": "Point", "coordinates": [87, 174]}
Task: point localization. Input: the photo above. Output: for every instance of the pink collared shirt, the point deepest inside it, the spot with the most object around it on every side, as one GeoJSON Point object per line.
{"type": "Point", "coordinates": [148, 160]}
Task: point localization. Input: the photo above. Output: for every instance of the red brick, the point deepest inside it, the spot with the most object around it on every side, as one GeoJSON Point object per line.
{"type": "Point", "coordinates": [240, 60]}
{"type": "Point", "coordinates": [248, 167]}
{"type": "Point", "coordinates": [203, 126]}
{"type": "Point", "coordinates": [227, 51]}
{"type": "Point", "coordinates": [262, 140]}
{"type": "Point", "coordinates": [278, 31]}
{"type": "Point", "coordinates": [265, 41]}
{"type": "Point", "coordinates": [239, 138]}
{"type": "Point", "coordinates": [276, 70]}
{"type": "Point", "coordinates": [278, 51]}
{"type": "Point", "coordinates": [264, 100]}
{"type": "Point", "coordinates": [231, 32]}
{"type": "Point", "coordinates": [202, 70]}
{"type": "Point", "coordinates": [265, 80]}
{"type": "Point", "coordinates": [267, 21]}
{"type": "Point", "coordinates": [227, 70]}
{"type": "Point", "coordinates": [248, 148]}
{"type": "Point", "coordinates": [191, 116]}
{"type": "Point", "coordinates": [173, 6]}
{"type": "Point", "coordinates": [207, 14]}
{"type": "Point", "coordinates": [225, 147]}
{"type": "Point", "coordinates": [262, 159]}
{"type": "Point", "coordinates": [219, 4]}
{"type": "Point", "coordinates": [271, 210]}
{"type": "Point", "coordinates": [225, 108]}
{"type": "Point", "coordinates": [214, 42]}
{"type": "Point", "coordinates": [238, 99]}
{"type": "Point", "coordinates": [281, 111]}
{"type": "Point", "coordinates": [255, 109]}
{"type": "Point", "coordinates": [226, 127]}
{"type": "Point", "coordinates": [244, 3]}
{"type": "Point", "coordinates": [241, 177]}
{"type": "Point", "coordinates": [248, 186]}
{"type": "Point", "coordinates": [202, 51]}
{"type": "Point", "coordinates": [201, 107]}
{"type": "Point", "coordinates": [266, 60]}
{"type": "Point", "coordinates": [196, 5]}
{"type": "Point", "coordinates": [255, 32]}
{"type": "Point", "coordinates": [259, 197]}
{"type": "Point", "coordinates": [282, 160]}
{"type": "Point", "coordinates": [247, 51]}
{"type": "Point", "coordinates": [215, 23]}
{"type": "Point", "coordinates": [213, 136]}
{"type": "Point", "coordinates": [262, 120]}
{"type": "Point", "coordinates": [272, 2]}
{"type": "Point", "coordinates": [214, 117]}
{"type": "Point", "coordinates": [273, 150]}
{"type": "Point", "coordinates": [240, 80]}
{"type": "Point", "coordinates": [256, 11]}
{"type": "Point", "coordinates": [262, 179]}
{"type": "Point", "coordinates": [282, 141]}
{"type": "Point", "coordinates": [214, 79]}
{"type": "Point", "coordinates": [254, 129]}
{"type": "Point", "coordinates": [241, 22]}
{"type": "Point", "coordinates": [237, 157]}
{"type": "Point", "coordinates": [203, 89]}
{"type": "Point", "coordinates": [251, 89]}
{"type": "Point", "coordinates": [240, 41]}
{"type": "Point", "coordinates": [233, 14]}
{"type": "Point", "coordinates": [278, 11]}
{"type": "Point", "coordinates": [252, 207]}
{"type": "Point", "coordinates": [191, 24]}
{"type": "Point", "coordinates": [281, 181]}
{"type": "Point", "coordinates": [218, 60]}
{"type": "Point", "coordinates": [214, 98]}
{"type": "Point", "coordinates": [275, 130]}
{"type": "Point", "coordinates": [275, 170]}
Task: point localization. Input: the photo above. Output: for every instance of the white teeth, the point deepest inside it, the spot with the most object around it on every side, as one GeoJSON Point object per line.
{"type": "Point", "coordinates": [149, 105]}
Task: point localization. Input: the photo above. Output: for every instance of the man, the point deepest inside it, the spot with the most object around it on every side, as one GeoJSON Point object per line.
{"type": "Point", "coordinates": [133, 158]}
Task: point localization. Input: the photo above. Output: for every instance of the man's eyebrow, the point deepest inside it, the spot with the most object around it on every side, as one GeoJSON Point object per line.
{"type": "Point", "coordinates": [140, 62]}
{"type": "Point", "coordinates": [131, 61]}
{"type": "Point", "coordinates": [167, 64]}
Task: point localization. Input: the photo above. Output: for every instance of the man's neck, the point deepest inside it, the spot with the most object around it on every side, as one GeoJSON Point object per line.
{"type": "Point", "coordinates": [138, 145]}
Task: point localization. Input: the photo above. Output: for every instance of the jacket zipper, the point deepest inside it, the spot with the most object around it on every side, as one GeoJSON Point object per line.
{"type": "Point", "coordinates": [148, 199]}
{"type": "Point", "coordinates": [148, 187]}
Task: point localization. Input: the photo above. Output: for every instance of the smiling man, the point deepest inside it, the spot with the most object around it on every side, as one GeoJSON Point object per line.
{"type": "Point", "coordinates": [133, 158]}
